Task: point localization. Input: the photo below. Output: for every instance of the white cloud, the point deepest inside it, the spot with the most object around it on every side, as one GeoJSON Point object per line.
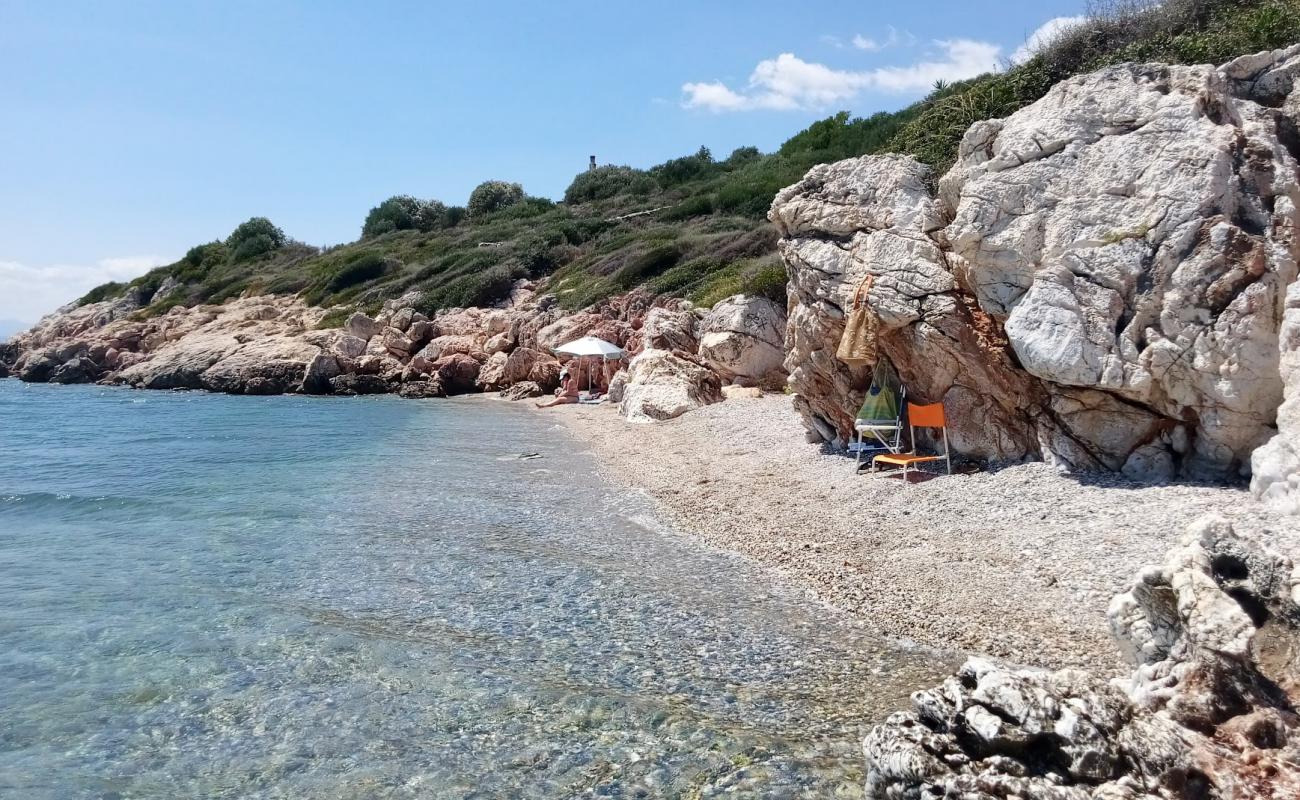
{"type": "Point", "coordinates": [893, 39]}
{"type": "Point", "coordinates": [788, 82]}
{"type": "Point", "coordinates": [1045, 35]}
{"type": "Point", "coordinates": [28, 292]}
{"type": "Point", "coordinates": [863, 43]}
{"type": "Point", "coordinates": [833, 41]}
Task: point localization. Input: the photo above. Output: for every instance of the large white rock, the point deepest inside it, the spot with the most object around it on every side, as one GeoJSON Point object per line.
{"type": "Point", "coordinates": [1108, 293]}
{"type": "Point", "coordinates": [743, 340]}
{"type": "Point", "coordinates": [1134, 232]}
{"type": "Point", "coordinates": [662, 386]}
{"type": "Point", "coordinates": [1276, 465]}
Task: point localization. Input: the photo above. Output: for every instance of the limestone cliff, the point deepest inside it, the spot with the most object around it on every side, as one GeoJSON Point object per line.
{"type": "Point", "coordinates": [1098, 281]}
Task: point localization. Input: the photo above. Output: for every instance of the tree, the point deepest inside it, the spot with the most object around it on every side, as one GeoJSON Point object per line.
{"type": "Point", "coordinates": [404, 212]}
{"type": "Point", "coordinates": [253, 238]}
{"type": "Point", "coordinates": [491, 196]}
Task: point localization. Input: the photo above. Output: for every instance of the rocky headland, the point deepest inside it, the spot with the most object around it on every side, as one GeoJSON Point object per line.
{"type": "Point", "coordinates": [1105, 282]}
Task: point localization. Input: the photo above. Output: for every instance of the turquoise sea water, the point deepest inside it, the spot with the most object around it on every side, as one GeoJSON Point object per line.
{"type": "Point", "coordinates": [287, 597]}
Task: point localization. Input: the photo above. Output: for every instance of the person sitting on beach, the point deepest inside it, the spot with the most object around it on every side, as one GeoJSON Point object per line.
{"type": "Point", "coordinates": [568, 391]}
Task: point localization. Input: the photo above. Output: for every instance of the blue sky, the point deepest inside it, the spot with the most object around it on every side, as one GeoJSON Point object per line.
{"type": "Point", "coordinates": [133, 130]}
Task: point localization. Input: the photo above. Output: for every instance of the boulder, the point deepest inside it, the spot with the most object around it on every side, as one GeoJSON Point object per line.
{"type": "Point", "coordinates": [457, 373]}
{"type": "Point", "coordinates": [447, 345]}
{"type": "Point", "coordinates": [491, 376]}
{"type": "Point", "coordinates": [743, 340]}
{"type": "Point", "coordinates": [1276, 465]}
{"type": "Point", "coordinates": [78, 369]}
{"type": "Point", "coordinates": [502, 342]}
{"type": "Point", "coordinates": [402, 319]}
{"type": "Point", "coordinates": [734, 391]}
{"type": "Point", "coordinates": [396, 343]}
{"type": "Point", "coordinates": [617, 386]}
{"type": "Point", "coordinates": [420, 332]}
{"type": "Point", "coordinates": [279, 363]}
{"type": "Point", "coordinates": [661, 386]}
{"type": "Point", "coordinates": [359, 383]}
{"type": "Point", "coordinates": [320, 370]}
{"type": "Point", "coordinates": [421, 389]}
{"type": "Point", "coordinates": [350, 346]}
{"type": "Point", "coordinates": [1097, 299]}
{"type": "Point", "coordinates": [1208, 711]}
{"type": "Point", "coordinates": [566, 329]}
{"type": "Point", "coordinates": [667, 329]}
{"type": "Point", "coordinates": [522, 390]}
{"type": "Point", "coordinates": [362, 326]}
{"type": "Point", "coordinates": [37, 367]}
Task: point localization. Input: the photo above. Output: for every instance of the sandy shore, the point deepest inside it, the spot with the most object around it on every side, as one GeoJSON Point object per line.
{"type": "Point", "coordinates": [1019, 563]}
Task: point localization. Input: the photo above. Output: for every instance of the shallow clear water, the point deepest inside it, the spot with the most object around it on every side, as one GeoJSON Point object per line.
{"type": "Point", "coordinates": [210, 596]}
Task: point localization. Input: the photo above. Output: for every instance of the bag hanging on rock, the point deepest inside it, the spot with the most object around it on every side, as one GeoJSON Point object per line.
{"type": "Point", "coordinates": [858, 344]}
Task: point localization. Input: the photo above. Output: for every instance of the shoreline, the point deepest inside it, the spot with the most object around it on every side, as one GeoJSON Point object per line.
{"type": "Point", "coordinates": [1018, 564]}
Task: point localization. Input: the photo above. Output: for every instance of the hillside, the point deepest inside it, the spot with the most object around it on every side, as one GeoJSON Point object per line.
{"type": "Point", "coordinates": [693, 227]}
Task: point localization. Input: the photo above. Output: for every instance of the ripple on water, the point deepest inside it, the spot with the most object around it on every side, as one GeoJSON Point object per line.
{"type": "Point", "coordinates": [213, 596]}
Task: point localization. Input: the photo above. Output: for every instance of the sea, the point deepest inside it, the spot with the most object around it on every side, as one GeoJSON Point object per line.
{"type": "Point", "coordinates": [209, 596]}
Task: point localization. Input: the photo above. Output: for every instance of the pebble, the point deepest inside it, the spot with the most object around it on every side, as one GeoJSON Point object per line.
{"type": "Point", "coordinates": [991, 562]}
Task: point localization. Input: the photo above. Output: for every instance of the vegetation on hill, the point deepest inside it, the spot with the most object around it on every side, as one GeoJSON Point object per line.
{"type": "Point", "coordinates": [691, 227]}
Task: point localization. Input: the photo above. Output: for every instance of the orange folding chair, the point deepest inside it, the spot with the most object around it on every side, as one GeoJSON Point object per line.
{"type": "Point", "coordinates": [927, 416]}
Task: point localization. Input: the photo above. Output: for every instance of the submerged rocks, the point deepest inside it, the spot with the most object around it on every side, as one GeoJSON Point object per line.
{"type": "Point", "coordinates": [743, 340]}
{"type": "Point", "coordinates": [1208, 712]}
{"type": "Point", "coordinates": [1099, 281]}
{"type": "Point", "coordinates": [661, 386]}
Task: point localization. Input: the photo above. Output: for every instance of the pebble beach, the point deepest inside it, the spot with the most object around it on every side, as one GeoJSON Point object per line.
{"type": "Point", "coordinates": [1017, 563]}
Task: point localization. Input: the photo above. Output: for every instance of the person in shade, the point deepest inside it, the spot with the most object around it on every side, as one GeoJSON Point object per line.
{"type": "Point", "coordinates": [568, 391]}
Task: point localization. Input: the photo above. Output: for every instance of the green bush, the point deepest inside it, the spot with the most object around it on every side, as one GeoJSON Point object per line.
{"type": "Point", "coordinates": [765, 279]}
{"type": "Point", "coordinates": [697, 205]}
{"type": "Point", "coordinates": [103, 292]}
{"type": "Point", "coordinates": [647, 265]}
{"type": "Point", "coordinates": [253, 238]}
{"type": "Point", "coordinates": [404, 212]}
{"type": "Point", "coordinates": [358, 269]}
{"type": "Point", "coordinates": [335, 317]}
{"type": "Point", "coordinates": [491, 196]}
{"type": "Point", "coordinates": [602, 183]}
{"type": "Point", "coordinates": [677, 171]}
{"type": "Point", "coordinates": [479, 289]}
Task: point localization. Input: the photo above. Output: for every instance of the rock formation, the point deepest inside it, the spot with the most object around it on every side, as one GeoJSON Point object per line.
{"type": "Point", "coordinates": [743, 340]}
{"type": "Point", "coordinates": [1098, 280]}
{"type": "Point", "coordinates": [661, 385]}
{"type": "Point", "coordinates": [267, 345]}
{"type": "Point", "coordinates": [1209, 711]}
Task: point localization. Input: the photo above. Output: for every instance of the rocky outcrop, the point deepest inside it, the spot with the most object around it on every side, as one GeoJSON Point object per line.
{"type": "Point", "coordinates": [743, 340]}
{"type": "Point", "coordinates": [1209, 711]}
{"type": "Point", "coordinates": [1276, 465]}
{"type": "Point", "coordinates": [1098, 281]}
{"type": "Point", "coordinates": [265, 345]}
{"type": "Point", "coordinates": [669, 329]}
{"type": "Point", "coordinates": [661, 385]}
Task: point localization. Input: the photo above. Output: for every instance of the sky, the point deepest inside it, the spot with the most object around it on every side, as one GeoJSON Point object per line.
{"type": "Point", "coordinates": [131, 131]}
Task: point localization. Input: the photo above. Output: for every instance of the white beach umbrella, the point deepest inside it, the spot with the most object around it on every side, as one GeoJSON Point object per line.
{"type": "Point", "coordinates": [591, 346]}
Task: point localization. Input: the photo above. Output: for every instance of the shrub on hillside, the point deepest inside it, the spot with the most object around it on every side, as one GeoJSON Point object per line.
{"type": "Point", "coordinates": [647, 265]}
{"type": "Point", "coordinates": [687, 168]}
{"type": "Point", "coordinates": [358, 269]}
{"type": "Point", "coordinates": [479, 289]}
{"type": "Point", "coordinates": [102, 292]}
{"type": "Point", "coordinates": [491, 196]}
{"type": "Point", "coordinates": [404, 212]}
{"type": "Point", "coordinates": [604, 182]}
{"type": "Point", "coordinates": [254, 238]}
{"type": "Point", "coordinates": [693, 206]}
